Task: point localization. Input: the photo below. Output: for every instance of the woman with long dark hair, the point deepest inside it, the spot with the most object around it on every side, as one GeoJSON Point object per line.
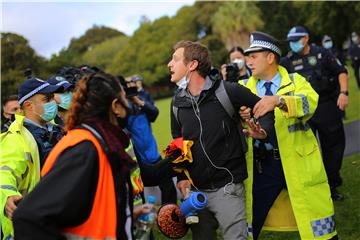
{"type": "Point", "coordinates": [85, 191]}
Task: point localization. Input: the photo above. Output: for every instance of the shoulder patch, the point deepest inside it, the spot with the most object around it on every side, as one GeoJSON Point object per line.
{"type": "Point", "coordinates": [312, 60]}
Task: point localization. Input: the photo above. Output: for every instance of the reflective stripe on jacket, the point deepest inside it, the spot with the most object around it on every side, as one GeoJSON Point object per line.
{"type": "Point", "coordinates": [19, 167]}
{"type": "Point", "coordinates": [135, 177]}
{"type": "Point", "coordinates": [303, 167]}
{"type": "Point", "coordinates": [102, 220]}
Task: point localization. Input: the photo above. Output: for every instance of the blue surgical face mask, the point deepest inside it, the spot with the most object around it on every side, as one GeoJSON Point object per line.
{"type": "Point", "coordinates": [183, 83]}
{"type": "Point", "coordinates": [50, 111]}
{"type": "Point", "coordinates": [296, 46]}
{"type": "Point", "coordinates": [65, 100]}
{"type": "Point", "coordinates": [354, 39]}
{"type": "Point", "coordinates": [328, 44]}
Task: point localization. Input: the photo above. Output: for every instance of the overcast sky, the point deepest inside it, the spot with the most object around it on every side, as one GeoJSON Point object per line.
{"type": "Point", "coordinates": [49, 26]}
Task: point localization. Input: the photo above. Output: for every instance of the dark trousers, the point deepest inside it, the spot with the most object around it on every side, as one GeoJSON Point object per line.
{"type": "Point", "coordinates": [356, 66]}
{"type": "Point", "coordinates": [327, 122]}
{"type": "Point", "coordinates": [266, 187]}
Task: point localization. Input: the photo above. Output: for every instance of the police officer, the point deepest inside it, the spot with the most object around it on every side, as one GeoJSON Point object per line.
{"type": "Point", "coordinates": [354, 53]}
{"type": "Point", "coordinates": [330, 80]}
{"type": "Point", "coordinates": [25, 146]}
{"type": "Point", "coordinates": [329, 44]}
{"type": "Point", "coordinates": [282, 159]}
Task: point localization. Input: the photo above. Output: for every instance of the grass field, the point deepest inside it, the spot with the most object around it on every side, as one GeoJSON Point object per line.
{"type": "Point", "coordinates": [347, 213]}
{"type": "Point", "coordinates": [353, 110]}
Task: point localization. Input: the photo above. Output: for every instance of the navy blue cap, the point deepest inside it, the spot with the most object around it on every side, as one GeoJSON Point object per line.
{"type": "Point", "coordinates": [326, 38]}
{"type": "Point", "coordinates": [296, 33]}
{"type": "Point", "coordinates": [33, 86]}
{"type": "Point", "coordinates": [260, 41]}
{"type": "Point", "coordinates": [60, 81]}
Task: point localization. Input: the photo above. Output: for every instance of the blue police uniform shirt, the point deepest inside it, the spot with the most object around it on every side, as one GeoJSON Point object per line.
{"type": "Point", "coordinates": [261, 89]}
{"type": "Point", "coordinates": [276, 82]}
{"type": "Point", "coordinates": [46, 138]}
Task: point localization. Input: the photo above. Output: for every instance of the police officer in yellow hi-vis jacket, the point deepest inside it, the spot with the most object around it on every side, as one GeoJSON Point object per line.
{"type": "Point", "coordinates": [24, 147]}
{"type": "Point", "coordinates": [289, 157]}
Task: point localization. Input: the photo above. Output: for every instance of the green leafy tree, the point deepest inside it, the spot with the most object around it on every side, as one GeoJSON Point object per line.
{"type": "Point", "coordinates": [16, 56]}
{"type": "Point", "coordinates": [150, 48]}
{"type": "Point", "coordinates": [234, 21]}
{"type": "Point", "coordinates": [64, 58]}
{"type": "Point", "coordinates": [334, 18]}
{"type": "Point", "coordinates": [92, 37]}
{"type": "Point", "coordinates": [102, 54]}
{"type": "Point", "coordinates": [337, 19]}
{"type": "Point", "coordinates": [73, 55]}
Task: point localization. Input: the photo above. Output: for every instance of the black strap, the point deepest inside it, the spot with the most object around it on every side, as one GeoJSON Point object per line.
{"type": "Point", "coordinates": [225, 101]}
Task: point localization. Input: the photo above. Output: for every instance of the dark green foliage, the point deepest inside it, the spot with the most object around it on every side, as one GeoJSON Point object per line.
{"type": "Point", "coordinates": [16, 56]}
{"type": "Point", "coordinates": [219, 25]}
{"type": "Point", "coordinates": [93, 36]}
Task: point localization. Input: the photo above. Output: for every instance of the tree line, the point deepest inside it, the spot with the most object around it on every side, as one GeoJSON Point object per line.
{"type": "Point", "coordinates": [219, 25]}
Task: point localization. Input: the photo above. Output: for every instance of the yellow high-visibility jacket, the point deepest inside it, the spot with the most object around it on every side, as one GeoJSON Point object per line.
{"type": "Point", "coordinates": [19, 167]}
{"type": "Point", "coordinates": [301, 159]}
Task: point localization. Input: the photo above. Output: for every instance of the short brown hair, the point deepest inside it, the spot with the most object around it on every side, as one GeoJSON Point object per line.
{"type": "Point", "coordinates": [196, 51]}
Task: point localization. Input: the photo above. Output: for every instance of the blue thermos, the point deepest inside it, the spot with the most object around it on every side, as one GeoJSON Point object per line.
{"type": "Point", "coordinates": [195, 202]}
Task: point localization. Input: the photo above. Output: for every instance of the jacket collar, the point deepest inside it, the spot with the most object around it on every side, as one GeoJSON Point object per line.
{"type": "Point", "coordinates": [209, 83]}
{"type": "Point", "coordinates": [17, 124]}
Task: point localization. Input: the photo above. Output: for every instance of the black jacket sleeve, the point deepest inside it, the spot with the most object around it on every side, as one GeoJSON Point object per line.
{"type": "Point", "coordinates": [242, 96]}
{"type": "Point", "coordinates": [154, 174]}
{"type": "Point", "coordinates": [63, 198]}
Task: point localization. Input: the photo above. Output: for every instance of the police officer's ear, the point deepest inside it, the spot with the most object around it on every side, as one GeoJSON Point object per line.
{"type": "Point", "coordinates": [28, 103]}
{"type": "Point", "coordinates": [305, 40]}
{"type": "Point", "coordinates": [271, 58]}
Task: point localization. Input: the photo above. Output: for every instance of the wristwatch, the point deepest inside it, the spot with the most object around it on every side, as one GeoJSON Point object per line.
{"type": "Point", "coordinates": [345, 93]}
{"type": "Point", "coordinates": [282, 103]}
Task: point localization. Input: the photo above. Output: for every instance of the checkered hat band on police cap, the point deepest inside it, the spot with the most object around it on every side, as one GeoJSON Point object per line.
{"type": "Point", "coordinates": [265, 44]}
{"type": "Point", "coordinates": [33, 92]}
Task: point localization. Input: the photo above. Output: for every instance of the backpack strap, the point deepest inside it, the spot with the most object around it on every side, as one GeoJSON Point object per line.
{"type": "Point", "coordinates": [225, 102]}
{"type": "Point", "coordinates": [175, 112]}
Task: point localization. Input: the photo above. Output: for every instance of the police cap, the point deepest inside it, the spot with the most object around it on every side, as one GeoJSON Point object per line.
{"type": "Point", "coordinates": [296, 33]}
{"type": "Point", "coordinates": [260, 41]}
{"type": "Point", "coordinates": [33, 86]}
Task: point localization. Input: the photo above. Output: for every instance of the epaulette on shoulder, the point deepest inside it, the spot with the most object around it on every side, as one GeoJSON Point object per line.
{"type": "Point", "coordinates": [289, 54]}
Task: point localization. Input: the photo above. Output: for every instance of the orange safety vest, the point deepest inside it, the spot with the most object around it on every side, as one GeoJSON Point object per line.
{"type": "Point", "coordinates": [102, 221]}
